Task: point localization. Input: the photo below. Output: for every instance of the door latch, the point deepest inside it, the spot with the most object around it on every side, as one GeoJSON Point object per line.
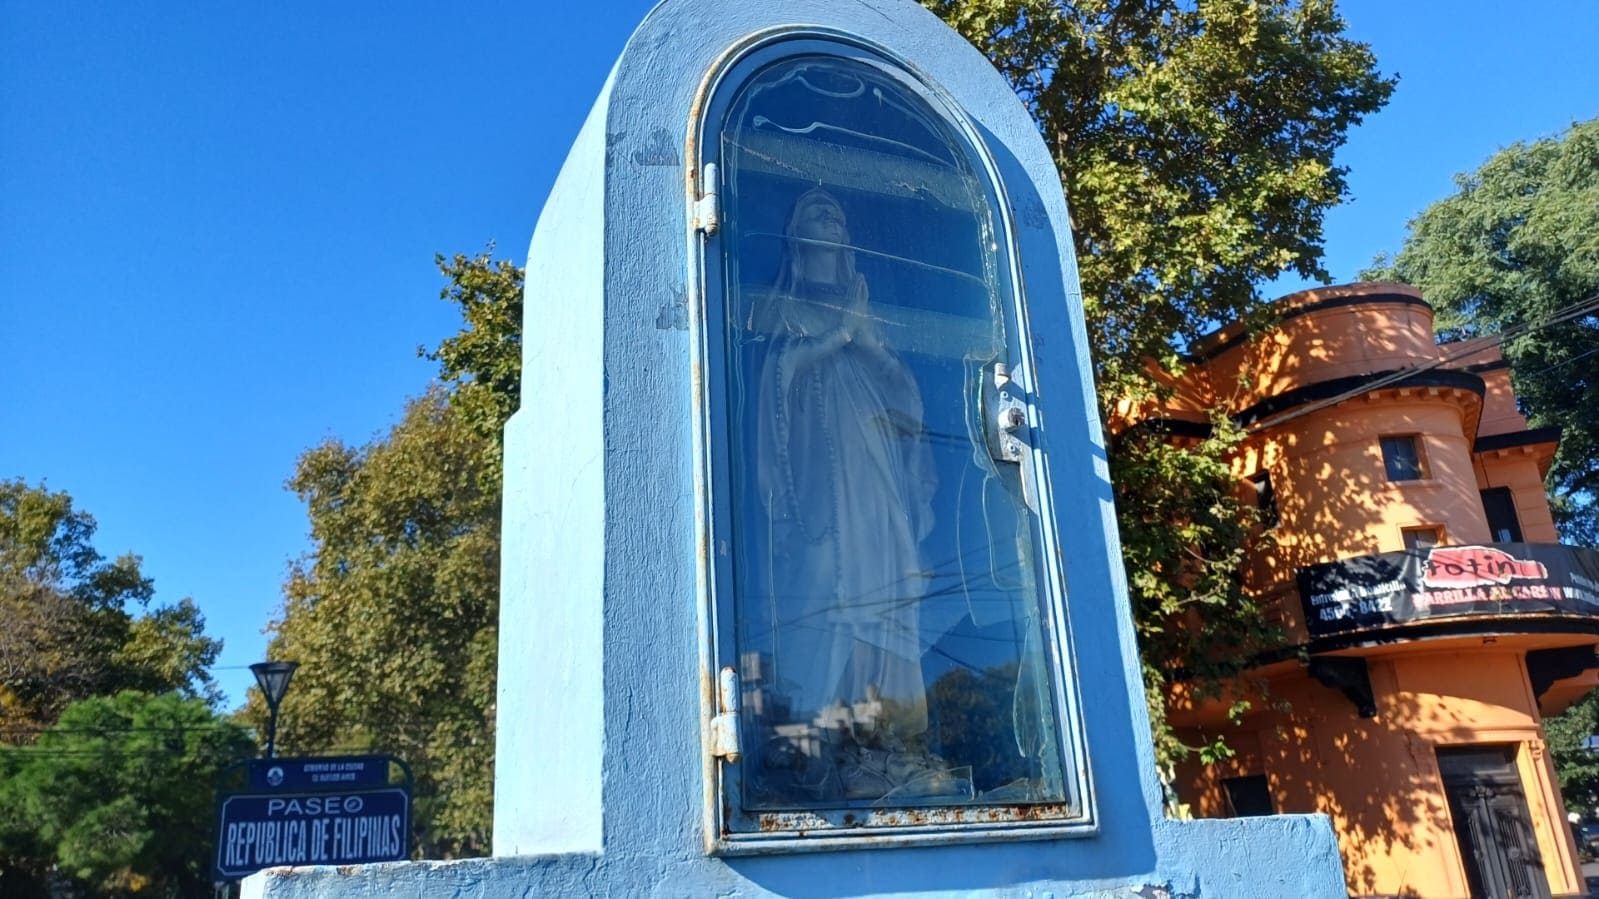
{"type": "Point", "coordinates": [1006, 411]}
{"type": "Point", "coordinates": [1007, 427]}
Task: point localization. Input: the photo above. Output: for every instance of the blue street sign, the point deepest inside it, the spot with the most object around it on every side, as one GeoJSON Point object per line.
{"type": "Point", "coordinates": [347, 827]}
{"type": "Point", "coordinates": [320, 773]}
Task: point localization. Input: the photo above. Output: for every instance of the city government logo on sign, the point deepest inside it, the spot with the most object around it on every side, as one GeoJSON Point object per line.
{"type": "Point", "coordinates": [334, 772]}
{"type": "Point", "coordinates": [258, 831]}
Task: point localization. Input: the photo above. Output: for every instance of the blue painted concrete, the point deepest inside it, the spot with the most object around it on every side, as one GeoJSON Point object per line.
{"type": "Point", "coordinates": [599, 764]}
{"type": "Point", "coordinates": [1282, 858]}
{"type": "Point", "coordinates": [553, 535]}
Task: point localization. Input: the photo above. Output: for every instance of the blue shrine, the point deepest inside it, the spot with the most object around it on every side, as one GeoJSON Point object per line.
{"type": "Point", "coordinates": [811, 583]}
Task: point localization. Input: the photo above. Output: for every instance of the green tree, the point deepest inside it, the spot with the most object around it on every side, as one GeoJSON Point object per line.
{"type": "Point", "coordinates": [166, 649]}
{"type": "Point", "coordinates": [1184, 538]}
{"type": "Point", "coordinates": [394, 611]}
{"type": "Point", "coordinates": [392, 615]}
{"type": "Point", "coordinates": [482, 363]}
{"type": "Point", "coordinates": [1195, 142]}
{"type": "Point", "coordinates": [1576, 764]}
{"type": "Point", "coordinates": [117, 797]}
{"type": "Point", "coordinates": [67, 624]}
{"type": "Point", "coordinates": [1515, 246]}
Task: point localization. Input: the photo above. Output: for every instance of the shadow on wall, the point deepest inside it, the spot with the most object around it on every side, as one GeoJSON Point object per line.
{"type": "Point", "coordinates": [1377, 778]}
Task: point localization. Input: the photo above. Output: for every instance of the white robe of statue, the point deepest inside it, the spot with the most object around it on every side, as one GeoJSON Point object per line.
{"type": "Point", "coordinates": [847, 479]}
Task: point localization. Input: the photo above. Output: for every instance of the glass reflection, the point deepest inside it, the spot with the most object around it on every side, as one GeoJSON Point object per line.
{"type": "Point", "coordinates": [891, 636]}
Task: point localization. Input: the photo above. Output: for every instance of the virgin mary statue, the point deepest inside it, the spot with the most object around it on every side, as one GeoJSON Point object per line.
{"type": "Point", "coordinates": [847, 480]}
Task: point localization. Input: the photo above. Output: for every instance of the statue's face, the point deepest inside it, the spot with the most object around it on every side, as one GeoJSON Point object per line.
{"type": "Point", "coordinates": [821, 219]}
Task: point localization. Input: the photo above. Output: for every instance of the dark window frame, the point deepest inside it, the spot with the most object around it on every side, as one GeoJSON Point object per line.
{"type": "Point", "coordinates": [1265, 499]}
{"type": "Point", "coordinates": [1248, 796]}
{"type": "Point", "coordinates": [1414, 545]}
{"type": "Point", "coordinates": [1404, 458]}
{"type": "Point", "coordinates": [1499, 507]}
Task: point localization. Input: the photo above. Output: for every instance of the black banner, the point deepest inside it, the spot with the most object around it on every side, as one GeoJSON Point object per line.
{"type": "Point", "coordinates": [1448, 581]}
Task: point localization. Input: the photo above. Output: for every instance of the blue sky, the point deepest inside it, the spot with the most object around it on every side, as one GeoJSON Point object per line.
{"type": "Point", "coordinates": [217, 225]}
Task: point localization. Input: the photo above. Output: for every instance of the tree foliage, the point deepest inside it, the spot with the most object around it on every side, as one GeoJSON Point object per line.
{"type": "Point", "coordinates": [117, 797]}
{"type": "Point", "coordinates": [1576, 764]}
{"type": "Point", "coordinates": [482, 363]}
{"type": "Point", "coordinates": [1517, 243]}
{"type": "Point", "coordinates": [68, 628]}
{"type": "Point", "coordinates": [975, 725]}
{"type": "Point", "coordinates": [1195, 142]}
{"type": "Point", "coordinates": [393, 613]}
{"type": "Point", "coordinates": [1184, 540]}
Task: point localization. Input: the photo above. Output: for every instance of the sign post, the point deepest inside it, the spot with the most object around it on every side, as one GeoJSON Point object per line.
{"type": "Point", "coordinates": [334, 810]}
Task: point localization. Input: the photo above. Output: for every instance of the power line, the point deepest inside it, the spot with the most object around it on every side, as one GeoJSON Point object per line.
{"type": "Point", "coordinates": [382, 730]}
{"type": "Point", "coordinates": [159, 730]}
{"type": "Point", "coordinates": [31, 752]}
{"type": "Point", "coordinates": [1470, 348]}
{"type": "Point", "coordinates": [1564, 362]}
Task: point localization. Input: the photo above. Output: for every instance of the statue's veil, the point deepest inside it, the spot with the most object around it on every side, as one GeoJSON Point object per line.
{"type": "Point", "coordinates": [775, 313]}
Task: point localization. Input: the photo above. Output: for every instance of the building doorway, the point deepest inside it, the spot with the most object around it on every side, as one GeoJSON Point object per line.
{"type": "Point", "coordinates": [1492, 824]}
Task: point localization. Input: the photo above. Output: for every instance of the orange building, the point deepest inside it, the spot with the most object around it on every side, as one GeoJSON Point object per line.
{"type": "Point", "coordinates": [1416, 569]}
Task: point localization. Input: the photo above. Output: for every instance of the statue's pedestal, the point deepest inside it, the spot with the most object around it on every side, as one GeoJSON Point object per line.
{"type": "Point", "coordinates": [606, 781]}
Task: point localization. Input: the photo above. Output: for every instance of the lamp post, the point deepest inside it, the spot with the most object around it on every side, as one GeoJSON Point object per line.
{"type": "Point", "coordinates": [273, 679]}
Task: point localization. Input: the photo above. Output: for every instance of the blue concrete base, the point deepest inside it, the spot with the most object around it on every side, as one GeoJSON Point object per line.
{"type": "Point", "coordinates": [1283, 857]}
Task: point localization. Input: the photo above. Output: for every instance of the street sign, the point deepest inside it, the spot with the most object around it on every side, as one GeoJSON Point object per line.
{"type": "Point", "coordinates": [344, 827]}
{"type": "Point", "coordinates": [319, 773]}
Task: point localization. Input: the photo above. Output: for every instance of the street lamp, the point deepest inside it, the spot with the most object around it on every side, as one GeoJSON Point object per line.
{"type": "Point", "coordinates": [273, 679]}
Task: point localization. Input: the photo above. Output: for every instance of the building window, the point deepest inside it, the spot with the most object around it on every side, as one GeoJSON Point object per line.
{"type": "Point", "coordinates": [1424, 538]}
{"type": "Point", "coordinates": [1403, 459]}
{"type": "Point", "coordinates": [890, 617]}
{"type": "Point", "coordinates": [1500, 506]}
{"type": "Point", "coordinates": [1248, 796]}
{"type": "Point", "coordinates": [1265, 499]}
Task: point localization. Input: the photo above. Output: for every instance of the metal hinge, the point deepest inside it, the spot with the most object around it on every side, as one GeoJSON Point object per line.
{"type": "Point", "coordinates": [708, 208]}
{"type": "Point", "coordinates": [724, 727]}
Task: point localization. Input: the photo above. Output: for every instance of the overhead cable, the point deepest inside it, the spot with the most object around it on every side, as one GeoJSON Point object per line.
{"type": "Point", "coordinates": [1471, 348]}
